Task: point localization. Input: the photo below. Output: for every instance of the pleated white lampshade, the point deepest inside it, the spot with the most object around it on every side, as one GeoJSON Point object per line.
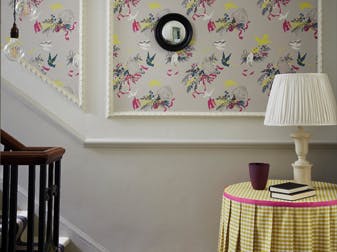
{"type": "Point", "coordinates": [304, 99]}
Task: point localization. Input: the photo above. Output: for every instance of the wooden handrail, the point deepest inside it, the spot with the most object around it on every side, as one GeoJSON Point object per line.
{"type": "Point", "coordinates": [24, 155]}
{"type": "Point", "coordinates": [10, 142]}
{"type": "Point", "coordinates": [31, 157]}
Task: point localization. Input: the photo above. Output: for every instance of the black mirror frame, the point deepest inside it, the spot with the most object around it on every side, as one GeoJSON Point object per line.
{"type": "Point", "coordinates": [173, 17]}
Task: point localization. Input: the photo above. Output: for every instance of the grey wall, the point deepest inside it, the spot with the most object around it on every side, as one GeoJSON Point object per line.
{"type": "Point", "coordinates": [154, 199]}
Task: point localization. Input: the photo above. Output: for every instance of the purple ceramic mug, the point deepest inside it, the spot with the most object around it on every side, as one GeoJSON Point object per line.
{"type": "Point", "coordinates": [258, 175]}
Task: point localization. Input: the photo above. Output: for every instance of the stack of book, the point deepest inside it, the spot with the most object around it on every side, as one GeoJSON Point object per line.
{"type": "Point", "coordinates": [291, 191]}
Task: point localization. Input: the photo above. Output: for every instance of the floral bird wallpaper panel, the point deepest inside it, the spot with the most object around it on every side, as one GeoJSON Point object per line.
{"type": "Point", "coordinates": [237, 49]}
{"type": "Point", "coordinates": [50, 33]}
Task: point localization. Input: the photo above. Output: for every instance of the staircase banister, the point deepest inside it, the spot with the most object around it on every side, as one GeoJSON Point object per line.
{"type": "Point", "coordinates": [16, 154]}
{"type": "Point", "coordinates": [31, 157]}
{"type": "Point", "coordinates": [10, 142]}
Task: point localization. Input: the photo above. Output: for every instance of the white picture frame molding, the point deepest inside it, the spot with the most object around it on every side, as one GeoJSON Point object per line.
{"type": "Point", "coordinates": [110, 113]}
{"type": "Point", "coordinates": [81, 90]}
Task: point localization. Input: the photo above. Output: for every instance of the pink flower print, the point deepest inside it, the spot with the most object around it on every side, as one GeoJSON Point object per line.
{"type": "Point", "coordinates": [155, 105]}
{"type": "Point", "coordinates": [135, 103]}
{"type": "Point", "coordinates": [37, 26]}
{"type": "Point", "coordinates": [295, 68]}
{"type": "Point", "coordinates": [211, 25]}
{"type": "Point", "coordinates": [306, 28]}
{"type": "Point", "coordinates": [286, 25]}
{"type": "Point", "coordinates": [57, 28]}
{"type": "Point", "coordinates": [211, 103]}
{"type": "Point", "coordinates": [135, 26]}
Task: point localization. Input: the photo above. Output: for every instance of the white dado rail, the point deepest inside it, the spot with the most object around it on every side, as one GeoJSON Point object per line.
{"type": "Point", "coordinates": [196, 144]}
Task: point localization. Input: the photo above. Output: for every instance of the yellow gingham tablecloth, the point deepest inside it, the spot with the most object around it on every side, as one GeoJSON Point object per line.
{"type": "Point", "coordinates": [251, 221]}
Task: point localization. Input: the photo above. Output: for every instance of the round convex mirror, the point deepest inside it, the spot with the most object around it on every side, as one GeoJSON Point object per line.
{"type": "Point", "coordinates": [173, 32]}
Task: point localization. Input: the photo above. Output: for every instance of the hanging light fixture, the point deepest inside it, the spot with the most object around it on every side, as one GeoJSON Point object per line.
{"type": "Point", "coordinates": [13, 49]}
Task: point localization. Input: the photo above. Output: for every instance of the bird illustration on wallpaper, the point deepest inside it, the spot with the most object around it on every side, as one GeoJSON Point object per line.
{"type": "Point", "coordinates": [126, 76]}
{"type": "Point", "coordinates": [174, 58]}
{"type": "Point", "coordinates": [63, 23]}
{"type": "Point", "coordinates": [197, 7]}
{"type": "Point", "coordinates": [220, 44]}
{"type": "Point", "coordinates": [51, 60]}
{"type": "Point", "coordinates": [236, 21]}
{"type": "Point", "coordinates": [180, 56]}
{"type": "Point", "coordinates": [115, 51]}
{"type": "Point", "coordinates": [144, 44]}
{"type": "Point", "coordinates": [304, 22]}
{"type": "Point", "coordinates": [123, 8]}
{"type": "Point", "coordinates": [256, 54]}
{"type": "Point", "coordinates": [73, 63]}
{"type": "Point", "coordinates": [46, 45]}
{"type": "Point", "coordinates": [146, 24]}
{"type": "Point", "coordinates": [38, 61]}
{"type": "Point", "coordinates": [295, 44]}
{"type": "Point", "coordinates": [199, 76]}
{"type": "Point", "coordinates": [272, 8]}
{"type": "Point", "coordinates": [232, 99]}
{"type": "Point", "coordinates": [44, 65]}
{"type": "Point", "coordinates": [162, 99]}
{"type": "Point", "coordinates": [285, 64]}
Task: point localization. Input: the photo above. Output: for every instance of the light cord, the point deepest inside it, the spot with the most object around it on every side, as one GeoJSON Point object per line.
{"type": "Point", "coordinates": [14, 12]}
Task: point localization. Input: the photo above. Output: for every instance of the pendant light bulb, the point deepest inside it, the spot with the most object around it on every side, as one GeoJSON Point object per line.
{"type": "Point", "coordinates": [13, 49]}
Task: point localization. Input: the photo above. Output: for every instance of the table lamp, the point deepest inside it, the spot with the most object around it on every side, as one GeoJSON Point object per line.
{"type": "Point", "coordinates": [301, 99]}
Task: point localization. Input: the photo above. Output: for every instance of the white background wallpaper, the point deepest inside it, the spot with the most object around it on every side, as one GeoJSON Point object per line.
{"type": "Point", "coordinates": [50, 36]}
{"type": "Point", "coordinates": [242, 79]}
